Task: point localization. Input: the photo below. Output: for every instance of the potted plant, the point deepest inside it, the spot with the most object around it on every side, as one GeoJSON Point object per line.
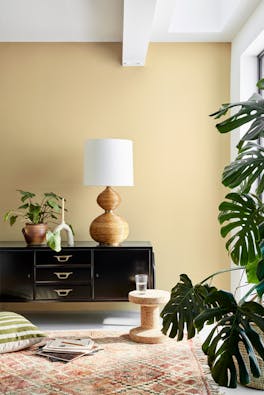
{"type": "Point", "coordinates": [234, 346]}
{"type": "Point", "coordinates": [36, 215]}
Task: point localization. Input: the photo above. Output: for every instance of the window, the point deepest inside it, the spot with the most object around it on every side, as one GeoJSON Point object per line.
{"type": "Point", "coordinates": [261, 75]}
{"type": "Point", "coordinates": [261, 66]}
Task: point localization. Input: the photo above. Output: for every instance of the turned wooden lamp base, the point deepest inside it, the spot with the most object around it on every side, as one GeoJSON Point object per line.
{"type": "Point", "coordinates": [109, 228]}
{"type": "Point", "coordinates": [150, 329]}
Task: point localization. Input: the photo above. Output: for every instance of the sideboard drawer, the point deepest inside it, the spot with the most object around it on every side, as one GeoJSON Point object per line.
{"type": "Point", "coordinates": [64, 257]}
{"type": "Point", "coordinates": [63, 274]}
{"type": "Point", "coordinates": [63, 292]}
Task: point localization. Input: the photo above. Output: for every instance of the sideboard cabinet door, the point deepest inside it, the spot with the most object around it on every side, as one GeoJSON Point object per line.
{"type": "Point", "coordinates": [114, 272]}
{"type": "Point", "coordinates": [16, 273]}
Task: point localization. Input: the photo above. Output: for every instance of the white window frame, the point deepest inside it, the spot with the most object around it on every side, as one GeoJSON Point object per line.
{"type": "Point", "coordinates": [246, 46]}
{"type": "Point", "coordinates": [261, 65]}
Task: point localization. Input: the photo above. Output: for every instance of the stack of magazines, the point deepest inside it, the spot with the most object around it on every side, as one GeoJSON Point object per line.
{"type": "Point", "coordinates": [67, 349]}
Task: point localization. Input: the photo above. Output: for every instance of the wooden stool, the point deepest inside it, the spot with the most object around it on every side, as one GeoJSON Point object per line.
{"type": "Point", "coordinates": [150, 329]}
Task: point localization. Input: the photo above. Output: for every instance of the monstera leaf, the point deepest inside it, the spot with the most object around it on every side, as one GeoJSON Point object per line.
{"type": "Point", "coordinates": [186, 302]}
{"type": "Point", "coordinates": [233, 328]}
{"type": "Point", "coordinates": [242, 213]}
{"type": "Point", "coordinates": [251, 110]}
{"type": "Point", "coordinates": [246, 169]}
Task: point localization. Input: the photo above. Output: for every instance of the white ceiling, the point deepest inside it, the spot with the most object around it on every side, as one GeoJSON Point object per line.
{"type": "Point", "coordinates": [134, 22]}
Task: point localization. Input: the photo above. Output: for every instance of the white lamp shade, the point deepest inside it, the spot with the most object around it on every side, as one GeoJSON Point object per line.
{"type": "Point", "coordinates": [108, 162]}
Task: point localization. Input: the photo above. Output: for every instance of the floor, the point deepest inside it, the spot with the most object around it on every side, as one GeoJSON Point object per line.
{"type": "Point", "coordinates": [110, 320]}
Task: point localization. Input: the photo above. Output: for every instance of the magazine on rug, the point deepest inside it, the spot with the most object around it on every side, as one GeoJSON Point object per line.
{"type": "Point", "coordinates": [54, 356]}
{"type": "Point", "coordinates": [60, 357]}
{"type": "Point", "coordinates": [69, 345]}
{"type": "Point", "coordinates": [67, 349]}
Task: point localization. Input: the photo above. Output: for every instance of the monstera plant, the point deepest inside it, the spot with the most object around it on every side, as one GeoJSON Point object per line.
{"type": "Point", "coordinates": [241, 216]}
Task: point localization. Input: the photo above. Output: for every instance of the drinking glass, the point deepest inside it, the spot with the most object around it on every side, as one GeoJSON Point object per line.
{"type": "Point", "coordinates": [141, 283]}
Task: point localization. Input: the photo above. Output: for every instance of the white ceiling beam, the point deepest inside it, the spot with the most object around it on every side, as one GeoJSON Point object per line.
{"type": "Point", "coordinates": [137, 24]}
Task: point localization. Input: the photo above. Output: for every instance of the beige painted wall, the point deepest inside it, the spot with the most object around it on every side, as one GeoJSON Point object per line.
{"type": "Point", "coordinates": [55, 96]}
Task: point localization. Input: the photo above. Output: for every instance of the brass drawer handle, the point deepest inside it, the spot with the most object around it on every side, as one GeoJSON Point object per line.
{"type": "Point", "coordinates": [62, 258]}
{"type": "Point", "coordinates": [62, 292]}
{"type": "Point", "coordinates": [62, 275]}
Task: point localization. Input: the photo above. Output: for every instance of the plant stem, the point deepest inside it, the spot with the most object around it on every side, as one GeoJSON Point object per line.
{"type": "Point", "coordinates": [250, 292]}
{"type": "Point", "coordinates": [221, 272]}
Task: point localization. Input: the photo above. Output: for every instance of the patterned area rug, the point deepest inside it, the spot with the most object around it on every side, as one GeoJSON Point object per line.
{"type": "Point", "coordinates": [123, 367]}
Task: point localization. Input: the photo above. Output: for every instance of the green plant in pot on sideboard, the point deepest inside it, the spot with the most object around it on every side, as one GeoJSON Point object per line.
{"type": "Point", "coordinates": [36, 215]}
{"type": "Point", "coordinates": [234, 346]}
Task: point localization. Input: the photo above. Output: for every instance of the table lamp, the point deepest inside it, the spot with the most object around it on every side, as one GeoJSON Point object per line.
{"type": "Point", "coordinates": [108, 162]}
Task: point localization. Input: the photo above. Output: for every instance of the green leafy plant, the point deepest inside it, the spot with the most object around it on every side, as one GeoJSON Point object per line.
{"type": "Point", "coordinates": [33, 212]}
{"type": "Point", "coordinates": [186, 303]}
{"type": "Point", "coordinates": [241, 216]}
{"type": "Point", "coordinates": [233, 326]}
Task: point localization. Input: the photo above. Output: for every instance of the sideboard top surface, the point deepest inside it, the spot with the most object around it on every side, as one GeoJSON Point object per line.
{"type": "Point", "coordinates": [78, 244]}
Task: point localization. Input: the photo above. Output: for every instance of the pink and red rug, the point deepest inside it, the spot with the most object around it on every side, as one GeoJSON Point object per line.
{"type": "Point", "coordinates": [123, 367]}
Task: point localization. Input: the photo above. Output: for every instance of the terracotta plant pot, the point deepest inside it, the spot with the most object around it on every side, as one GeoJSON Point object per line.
{"type": "Point", "coordinates": [35, 234]}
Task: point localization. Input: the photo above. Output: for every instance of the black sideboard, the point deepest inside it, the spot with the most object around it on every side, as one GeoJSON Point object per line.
{"type": "Point", "coordinates": [86, 272]}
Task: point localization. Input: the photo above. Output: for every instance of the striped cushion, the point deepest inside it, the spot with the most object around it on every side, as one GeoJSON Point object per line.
{"type": "Point", "coordinates": [16, 332]}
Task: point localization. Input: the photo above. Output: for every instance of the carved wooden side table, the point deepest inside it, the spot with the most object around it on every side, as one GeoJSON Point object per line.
{"type": "Point", "coordinates": [150, 329]}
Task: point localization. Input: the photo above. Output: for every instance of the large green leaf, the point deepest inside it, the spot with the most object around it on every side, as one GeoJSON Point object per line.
{"type": "Point", "coordinates": [260, 270]}
{"type": "Point", "coordinates": [251, 270]}
{"type": "Point", "coordinates": [241, 212]}
{"type": "Point", "coordinates": [247, 168]}
{"type": "Point", "coordinates": [9, 216]}
{"type": "Point", "coordinates": [54, 240]}
{"type": "Point", "coordinates": [234, 327]}
{"type": "Point", "coordinates": [260, 277]}
{"type": "Point", "coordinates": [26, 195]}
{"type": "Point", "coordinates": [12, 219]}
{"type": "Point", "coordinates": [52, 195]}
{"type": "Point", "coordinates": [34, 213]}
{"type": "Point", "coordinates": [54, 205]}
{"type": "Point", "coordinates": [251, 110]}
{"type": "Point", "coordinates": [186, 302]}
{"type": "Point", "coordinates": [260, 83]}
{"type": "Point", "coordinates": [23, 206]}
